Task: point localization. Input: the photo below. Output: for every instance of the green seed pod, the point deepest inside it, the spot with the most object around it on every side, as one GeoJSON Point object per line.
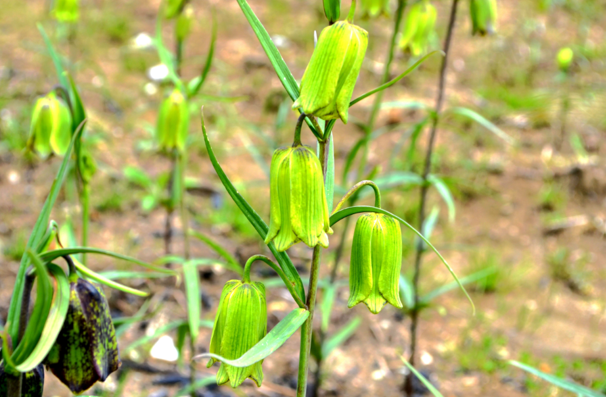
{"type": "Point", "coordinates": [565, 58]}
{"type": "Point", "coordinates": [299, 211]}
{"type": "Point", "coordinates": [86, 350]}
{"type": "Point", "coordinates": [376, 259]}
{"type": "Point", "coordinates": [483, 16]}
{"type": "Point", "coordinates": [330, 77]}
{"type": "Point", "coordinates": [240, 323]}
{"type": "Point", "coordinates": [173, 8]}
{"type": "Point", "coordinates": [419, 27]}
{"type": "Point", "coordinates": [374, 8]}
{"type": "Point", "coordinates": [32, 386]}
{"type": "Point", "coordinates": [332, 10]}
{"type": "Point", "coordinates": [173, 122]}
{"type": "Point", "coordinates": [50, 126]}
{"type": "Point", "coordinates": [66, 10]}
{"type": "Point", "coordinates": [184, 23]}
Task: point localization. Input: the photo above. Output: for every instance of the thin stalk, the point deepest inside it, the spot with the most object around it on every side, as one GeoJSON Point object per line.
{"type": "Point", "coordinates": [178, 56]}
{"type": "Point", "coordinates": [85, 202]}
{"type": "Point", "coordinates": [307, 328]}
{"type": "Point", "coordinates": [182, 159]}
{"type": "Point", "coordinates": [408, 389]}
{"type": "Point", "coordinates": [168, 224]}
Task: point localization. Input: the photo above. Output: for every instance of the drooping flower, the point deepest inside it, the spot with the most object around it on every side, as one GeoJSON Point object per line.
{"type": "Point", "coordinates": [483, 16]}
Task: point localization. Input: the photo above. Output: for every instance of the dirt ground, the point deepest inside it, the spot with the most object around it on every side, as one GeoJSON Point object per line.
{"type": "Point", "coordinates": [533, 210]}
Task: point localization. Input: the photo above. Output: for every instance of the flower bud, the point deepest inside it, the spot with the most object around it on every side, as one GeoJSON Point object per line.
{"type": "Point", "coordinates": [483, 16]}
{"type": "Point", "coordinates": [418, 28]}
{"type": "Point", "coordinates": [330, 77]}
{"type": "Point", "coordinates": [376, 259]}
{"type": "Point", "coordinates": [32, 382]}
{"type": "Point", "coordinates": [66, 10]}
{"type": "Point", "coordinates": [173, 8]}
{"type": "Point", "coordinates": [240, 323]}
{"type": "Point", "coordinates": [86, 350]}
{"type": "Point", "coordinates": [50, 126]}
{"type": "Point", "coordinates": [299, 211]}
{"type": "Point", "coordinates": [373, 8]}
{"type": "Point", "coordinates": [184, 22]}
{"type": "Point", "coordinates": [564, 58]}
{"type": "Point", "coordinates": [173, 122]}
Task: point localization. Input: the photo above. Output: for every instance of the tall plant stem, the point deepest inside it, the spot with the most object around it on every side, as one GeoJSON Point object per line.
{"type": "Point", "coordinates": [307, 328]}
{"type": "Point", "coordinates": [85, 202]}
{"type": "Point", "coordinates": [423, 197]}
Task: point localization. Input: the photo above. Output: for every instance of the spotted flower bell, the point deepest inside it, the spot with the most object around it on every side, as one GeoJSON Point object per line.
{"type": "Point", "coordinates": [173, 122]}
{"type": "Point", "coordinates": [299, 211]}
{"type": "Point", "coordinates": [50, 126]}
{"type": "Point", "coordinates": [376, 259]}
{"type": "Point", "coordinates": [240, 323]}
{"type": "Point", "coordinates": [418, 28]}
{"type": "Point", "coordinates": [86, 350]}
{"type": "Point", "coordinates": [329, 80]}
{"type": "Point", "coordinates": [483, 16]}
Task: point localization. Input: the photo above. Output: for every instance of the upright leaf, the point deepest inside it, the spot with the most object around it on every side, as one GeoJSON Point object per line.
{"type": "Point", "coordinates": [192, 293]}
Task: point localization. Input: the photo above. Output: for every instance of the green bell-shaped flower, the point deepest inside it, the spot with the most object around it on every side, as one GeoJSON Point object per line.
{"type": "Point", "coordinates": [419, 28]}
{"type": "Point", "coordinates": [173, 8]}
{"type": "Point", "coordinates": [50, 126]}
{"type": "Point", "coordinates": [240, 323]}
{"type": "Point", "coordinates": [173, 122]}
{"type": "Point", "coordinates": [330, 77]}
{"type": "Point", "coordinates": [374, 8]}
{"type": "Point", "coordinates": [32, 382]}
{"type": "Point", "coordinates": [299, 211]}
{"type": "Point", "coordinates": [483, 16]}
{"type": "Point", "coordinates": [565, 58]}
{"type": "Point", "coordinates": [66, 10]}
{"type": "Point", "coordinates": [86, 350]}
{"type": "Point", "coordinates": [376, 259]}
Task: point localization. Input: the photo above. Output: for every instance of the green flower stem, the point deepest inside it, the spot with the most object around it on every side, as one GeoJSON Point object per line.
{"type": "Point", "coordinates": [182, 159]}
{"type": "Point", "coordinates": [84, 201]}
{"type": "Point", "coordinates": [357, 187]}
{"type": "Point", "coordinates": [297, 139]}
{"type": "Point", "coordinates": [307, 328]}
{"type": "Point", "coordinates": [408, 383]}
{"type": "Point", "coordinates": [352, 12]}
{"type": "Point", "coordinates": [287, 283]}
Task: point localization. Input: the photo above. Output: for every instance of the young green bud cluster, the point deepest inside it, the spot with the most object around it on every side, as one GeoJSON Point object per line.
{"type": "Point", "coordinates": [50, 130]}
{"type": "Point", "coordinates": [483, 16]}
{"type": "Point", "coordinates": [374, 8]}
{"type": "Point", "coordinates": [376, 259]}
{"type": "Point", "coordinates": [299, 211]}
{"type": "Point", "coordinates": [329, 80]}
{"type": "Point", "coordinates": [86, 350]}
{"type": "Point", "coordinates": [66, 10]}
{"type": "Point", "coordinates": [240, 323]}
{"type": "Point", "coordinates": [418, 28]}
{"type": "Point", "coordinates": [173, 122]}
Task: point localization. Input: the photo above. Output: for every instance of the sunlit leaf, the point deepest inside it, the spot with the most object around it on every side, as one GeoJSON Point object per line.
{"type": "Point", "coordinates": [445, 193]}
{"type": "Point", "coordinates": [482, 121]}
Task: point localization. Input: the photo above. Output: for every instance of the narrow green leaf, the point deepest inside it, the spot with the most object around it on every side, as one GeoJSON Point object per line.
{"type": "Point", "coordinates": [429, 224]}
{"type": "Point", "coordinates": [483, 122]}
{"type": "Point", "coordinates": [445, 193]}
{"type": "Point", "coordinates": [340, 337]}
{"type": "Point", "coordinates": [336, 217]}
{"type": "Point", "coordinates": [274, 56]}
{"type": "Point", "coordinates": [137, 176]}
{"type": "Point", "coordinates": [417, 129]}
{"type": "Point", "coordinates": [12, 323]}
{"type": "Point", "coordinates": [196, 84]}
{"type": "Point", "coordinates": [40, 312]}
{"type": "Point", "coordinates": [88, 273]}
{"type": "Point", "coordinates": [129, 274]}
{"type": "Point", "coordinates": [148, 338]}
{"type": "Point", "coordinates": [559, 382]}
{"type": "Point", "coordinates": [165, 55]}
{"type": "Point", "coordinates": [231, 261]}
{"type": "Point", "coordinates": [427, 298]}
{"type": "Point", "coordinates": [351, 156]}
{"type": "Point", "coordinates": [270, 343]}
{"type": "Point", "coordinates": [55, 57]}
{"type": "Point", "coordinates": [54, 321]}
{"type": "Point", "coordinates": [49, 256]}
{"type": "Point", "coordinates": [200, 383]}
{"type": "Point", "coordinates": [77, 105]}
{"type": "Point", "coordinates": [328, 298]}
{"type": "Point", "coordinates": [407, 293]}
{"type": "Point", "coordinates": [414, 105]}
{"type": "Point", "coordinates": [192, 293]}
{"type": "Point", "coordinates": [427, 383]}
{"type": "Point", "coordinates": [255, 220]}
{"type": "Point", "coordinates": [395, 80]}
